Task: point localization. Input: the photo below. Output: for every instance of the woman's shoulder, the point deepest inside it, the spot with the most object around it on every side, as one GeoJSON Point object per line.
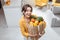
{"type": "Point", "coordinates": [21, 19]}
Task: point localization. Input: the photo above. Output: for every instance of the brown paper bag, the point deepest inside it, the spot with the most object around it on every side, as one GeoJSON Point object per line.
{"type": "Point", "coordinates": [42, 27]}
{"type": "Point", "coordinates": [33, 30]}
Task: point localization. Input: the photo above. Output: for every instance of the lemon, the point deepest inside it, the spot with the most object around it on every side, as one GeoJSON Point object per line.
{"type": "Point", "coordinates": [31, 23]}
{"type": "Point", "coordinates": [36, 22]}
{"type": "Point", "coordinates": [35, 25]}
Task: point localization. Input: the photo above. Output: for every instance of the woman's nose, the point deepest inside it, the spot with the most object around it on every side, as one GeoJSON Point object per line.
{"type": "Point", "coordinates": [29, 12]}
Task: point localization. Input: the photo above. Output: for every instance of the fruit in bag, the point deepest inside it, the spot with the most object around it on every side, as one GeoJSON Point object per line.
{"type": "Point", "coordinates": [42, 26]}
{"type": "Point", "coordinates": [39, 19]}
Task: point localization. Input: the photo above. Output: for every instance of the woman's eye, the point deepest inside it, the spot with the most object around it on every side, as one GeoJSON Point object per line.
{"type": "Point", "coordinates": [28, 10]}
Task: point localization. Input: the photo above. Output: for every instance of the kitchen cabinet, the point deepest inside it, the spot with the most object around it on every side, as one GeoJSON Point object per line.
{"type": "Point", "coordinates": [13, 13]}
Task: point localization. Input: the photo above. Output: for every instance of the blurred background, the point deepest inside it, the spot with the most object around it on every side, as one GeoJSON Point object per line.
{"type": "Point", "coordinates": [10, 14]}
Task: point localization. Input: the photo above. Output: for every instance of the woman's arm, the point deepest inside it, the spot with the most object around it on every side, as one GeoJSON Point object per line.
{"type": "Point", "coordinates": [23, 29]}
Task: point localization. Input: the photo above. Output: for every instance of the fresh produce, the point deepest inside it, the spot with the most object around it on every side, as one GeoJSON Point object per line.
{"type": "Point", "coordinates": [33, 16]}
{"type": "Point", "coordinates": [35, 20]}
{"type": "Point", "coordinates": [40, 19]}
{"type": "Point", "coordinates": [32, 20]}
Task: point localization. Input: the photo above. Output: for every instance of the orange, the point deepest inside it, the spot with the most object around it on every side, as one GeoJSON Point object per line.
{"type": "Point", "coordinates": [8, 2]}
{"type": "Point", "coordinates": [33, 20]}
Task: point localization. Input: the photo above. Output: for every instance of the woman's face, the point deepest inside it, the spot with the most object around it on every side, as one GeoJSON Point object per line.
{"type": "Point", "coordinates": [28, 12]}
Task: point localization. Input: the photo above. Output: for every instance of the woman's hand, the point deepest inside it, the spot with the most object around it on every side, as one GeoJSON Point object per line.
{"type": "Point", "coordinates": [30, 35]}
{"type": "Point", "coordinates": [41, 34]}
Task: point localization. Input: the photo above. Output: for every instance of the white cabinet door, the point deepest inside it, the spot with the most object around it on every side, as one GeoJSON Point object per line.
{"type": "Point", "coordinates": [12, 16]}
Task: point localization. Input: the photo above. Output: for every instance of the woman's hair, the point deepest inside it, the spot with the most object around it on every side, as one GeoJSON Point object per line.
{"type": "Point", "coordinates": [24, 8]}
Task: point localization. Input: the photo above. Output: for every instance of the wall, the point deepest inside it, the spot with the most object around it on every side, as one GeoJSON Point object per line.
{"type": "Point", "coordinates": [31, 2]}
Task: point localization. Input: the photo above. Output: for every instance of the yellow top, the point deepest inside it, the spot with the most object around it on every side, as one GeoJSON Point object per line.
{"type": "Point", "coordinates": [54, 3]}
{"type": "Point", "coordinates": [23, 27]}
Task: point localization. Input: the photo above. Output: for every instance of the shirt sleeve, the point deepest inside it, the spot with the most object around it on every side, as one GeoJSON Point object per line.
{"type": "Point", "coordinates": [23, 29]}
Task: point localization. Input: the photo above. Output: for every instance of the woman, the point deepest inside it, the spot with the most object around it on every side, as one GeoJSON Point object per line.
{"type": "Point", "coordinates": [24, 22]}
